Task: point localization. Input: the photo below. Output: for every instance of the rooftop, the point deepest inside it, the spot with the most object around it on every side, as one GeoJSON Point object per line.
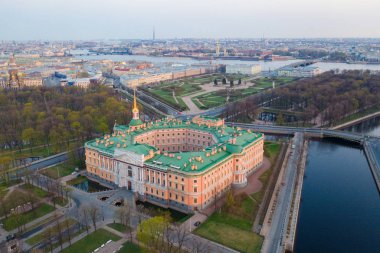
{"type": "Point", "coordinates": [229, 140]}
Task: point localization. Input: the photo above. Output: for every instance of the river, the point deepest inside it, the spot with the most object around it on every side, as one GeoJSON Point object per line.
{"type": "Point", "coordinates": [340, 208]}
{"type": "Point", "coordinates": [265, 65]}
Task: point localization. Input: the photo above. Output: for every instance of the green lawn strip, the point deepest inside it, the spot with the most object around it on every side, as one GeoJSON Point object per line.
{"type": "Point", "coordinates": [58, 171]}
{"type": "Point", "coordinates": [230, 236]}
{"type": "Point", "coordinates": [37, 151]}
{"type": "Point", "coordinates": [118, 226]}
{"type": "Point", "coordinates": [91, 242]}
{"type": "Point", "coordinates": [40, 236]}
{"type": "Point", "coordinates": [76, 180]}
{"type": "Point", "coordinates": [45, 221]}
{"type": "Point", "coordinates": [65, 239]}
{"type": "Point", "coordinates": [271, 150]}
{"type": "Point", "coordinates": [130, 247]}
{"type": "Point", "coordinates": [10, 183]}
{"type": "Point", "coordinates": [41, 210]}
{"type": "Point", "coordinates": [37, 191]}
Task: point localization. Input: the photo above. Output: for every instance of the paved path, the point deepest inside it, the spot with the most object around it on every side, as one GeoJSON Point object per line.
{"type": "Point", "coordinates": [209, 87]}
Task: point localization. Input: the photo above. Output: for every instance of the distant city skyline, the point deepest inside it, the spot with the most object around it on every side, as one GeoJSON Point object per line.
{"type": "Point", "coordinates": [118, 19]}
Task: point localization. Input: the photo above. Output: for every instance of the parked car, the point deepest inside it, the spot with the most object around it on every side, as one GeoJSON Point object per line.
{"type": "Point", "coordinates": [197, 223]}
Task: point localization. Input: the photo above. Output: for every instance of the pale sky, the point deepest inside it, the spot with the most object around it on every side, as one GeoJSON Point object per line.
{"type": "Point", "coordinates": [134, 19]}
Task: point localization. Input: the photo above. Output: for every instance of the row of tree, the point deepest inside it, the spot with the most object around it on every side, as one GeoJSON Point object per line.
{"type": "Point", "coordinates": [56, 117]}
{"type": "Point", "coordinates": [321, 100]}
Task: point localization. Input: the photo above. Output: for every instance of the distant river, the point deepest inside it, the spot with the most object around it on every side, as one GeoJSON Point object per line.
{"type": "Point", "coordinates": [340, 208]}
{"type": "Point", "coordinates": [265, 65]}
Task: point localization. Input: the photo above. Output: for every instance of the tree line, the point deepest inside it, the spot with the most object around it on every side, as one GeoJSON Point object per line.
{"type": "Point", "coordinates": [321, 100]}
{"type": "Point", "coordinates": [55, 116]}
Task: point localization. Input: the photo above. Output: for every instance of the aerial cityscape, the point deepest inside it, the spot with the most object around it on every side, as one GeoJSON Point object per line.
{"type": "Point", "coordinates": [189, 126]}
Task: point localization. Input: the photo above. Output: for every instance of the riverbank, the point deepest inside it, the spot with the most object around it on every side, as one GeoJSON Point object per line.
{"type": "Point", "coordinates": [296, 201]}
{"type": "Point", "coordinates": [357, 118]}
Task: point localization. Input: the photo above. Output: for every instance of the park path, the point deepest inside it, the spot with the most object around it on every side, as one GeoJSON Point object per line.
{"type": "Point", "coordinates": [206, 88]}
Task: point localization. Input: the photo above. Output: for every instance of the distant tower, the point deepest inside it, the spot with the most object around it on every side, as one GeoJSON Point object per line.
{"type": "Point", "coordinates": [217, 49]}
{"type": "Point", "coordinates": [154, 33]}
{"type": "Point", "coordinates": [135, 110]}
{"type": "Point", "coordinates": [225, 52]}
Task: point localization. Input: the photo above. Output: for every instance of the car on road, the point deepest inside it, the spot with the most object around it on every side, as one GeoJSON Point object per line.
{"type": "Point", "coordinates": [197, 223]}
{"type": "Point", "coordinates": [10, 237]}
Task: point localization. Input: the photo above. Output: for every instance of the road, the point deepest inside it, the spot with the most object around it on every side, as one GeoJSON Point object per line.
{"type": "Point", "coordinates": [274, 239]}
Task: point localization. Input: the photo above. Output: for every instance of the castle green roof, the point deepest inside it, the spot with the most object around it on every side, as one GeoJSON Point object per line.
{"type": "Point", "coordinates": [229, 141]}
{"type": "Point", "coordinates": [136, 122]}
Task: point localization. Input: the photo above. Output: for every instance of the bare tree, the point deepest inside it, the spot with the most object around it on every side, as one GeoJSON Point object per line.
{"type": "Point", "coordinates": [198, 246]}
{"type": "Point", "coordinates": [94, 213]}
{"type": "Point", "coordinates": [48, 235]}
{"type": "Point", "coordinates": [181, 235]}
{"type": "Point", "coordinates": [59, 233]}
{"type": "Point", "coordinates": [68, 230]}
{"type": "Point", "coordinates": [84, 217]}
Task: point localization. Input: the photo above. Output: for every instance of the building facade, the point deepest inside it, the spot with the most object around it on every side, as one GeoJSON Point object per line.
{"type": "Point", "coordinates": [177, 164]}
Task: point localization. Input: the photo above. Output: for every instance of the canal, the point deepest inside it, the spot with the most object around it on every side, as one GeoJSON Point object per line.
{"type": "Point", "coordinates": [340, 207]}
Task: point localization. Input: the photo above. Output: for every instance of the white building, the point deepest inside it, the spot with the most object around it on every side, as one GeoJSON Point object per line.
{"type": "Point", "coordinates": [243, 69]}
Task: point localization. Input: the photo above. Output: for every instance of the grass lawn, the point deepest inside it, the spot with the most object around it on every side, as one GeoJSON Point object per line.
{"type": "Point", "coordinates": [233, 228]}
{"type": "Point", "coordinates": [58, 171]}
{"type": "Point", "coordinates": [91, 242]}
{"type": "Point", "coordinates": [37, 191]}
{"type": "Point", "coordinates": [271, 150]}
{"type": "Point", "coordinates": [40, 236]}
{"type": "Point", "coordinates": [218, 98]}
{"type": "Point", "coordinates": [175, 215]}
{"type": "Point", "coordinates": [10, 183]}
{"type": "Point", "coordinates": [77, 180]}
{"type": "Point", "coordinates": [118, 226]}
{"type": "Point", "coordinates": [43, 209]}
{"type": "Point", "coordinates": [38, 151]}
{"type": "Point", "coordinates": [130, 247]}
{"type": "Point", "coordinates": [232, 232]}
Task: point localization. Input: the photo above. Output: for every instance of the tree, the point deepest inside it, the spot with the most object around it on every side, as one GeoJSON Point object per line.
{"type": "Point", "coordinates": [181, 235]}
{"type": "Point", "coordinates": [280, 119]}
{"type": "Point", "coordinates": [59, 232]}
{"type": "Point", "coordinates": [84, 217]}
{"type": "Point", "coordinates": [94, 212]}
{"type": "Point", "coordinates": [48, 235]}
{"type": "Point", "coordinates": [230, 201]}
{"type": "Point", "coordinates": [28, 136]}
{"type": "Point", "coordinates": [199, 246]}
{"type": "Point", "coordinates": [151, 231]}
{"type": "Point", "coordinates": [68, 229]}
{"type": "Point", "coordinates": [124, 215]}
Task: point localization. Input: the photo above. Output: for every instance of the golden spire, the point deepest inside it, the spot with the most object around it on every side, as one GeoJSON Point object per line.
{"type": "Point", "coordinates": [134, 100]}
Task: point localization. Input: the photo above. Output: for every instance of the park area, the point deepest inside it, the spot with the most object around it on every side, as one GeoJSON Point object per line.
{"type": "Point", "coordinates": [173, 92]}
{"type": "Point", "coordinates": [232, 224]}
{"type": "Point", "coordinates": [219, 97]}
{"type": "Point", "coordinates": [58, 171]}
{"type": "Point", "coordinates": [91, 242]}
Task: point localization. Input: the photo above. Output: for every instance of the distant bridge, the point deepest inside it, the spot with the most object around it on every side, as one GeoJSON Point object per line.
{"type": "Point", "coordinates": [317, 132]}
